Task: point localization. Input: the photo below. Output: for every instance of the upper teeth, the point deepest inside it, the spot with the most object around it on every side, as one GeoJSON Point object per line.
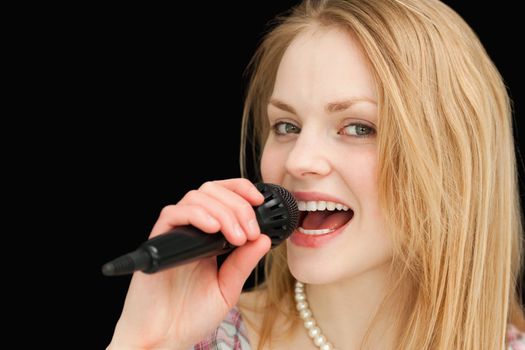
{"type": "Point", "coordinates": [320, 205]}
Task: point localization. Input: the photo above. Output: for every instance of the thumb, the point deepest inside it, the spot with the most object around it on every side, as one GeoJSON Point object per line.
{"type": "Point", "coordinates": [237, 267]}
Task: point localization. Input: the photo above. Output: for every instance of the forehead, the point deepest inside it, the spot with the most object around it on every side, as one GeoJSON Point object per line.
{"type": "Point", "coordinates": [324, 63]}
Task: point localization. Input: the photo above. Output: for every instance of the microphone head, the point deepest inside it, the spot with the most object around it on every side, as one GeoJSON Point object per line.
{"type": "Point", "coordinates": [278, 216]}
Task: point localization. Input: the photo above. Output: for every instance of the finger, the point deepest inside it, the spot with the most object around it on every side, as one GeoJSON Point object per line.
{"type": "Point", "coordinates": [185, 214]}
{"type": "Point", "coordinates": [244, 188]}
{"type": "Point", "coordinates": [241, 208]}
{"type": "Point", "coordinates": [230, 226]}
{"type": "Point", "coordinates": [236, 269]}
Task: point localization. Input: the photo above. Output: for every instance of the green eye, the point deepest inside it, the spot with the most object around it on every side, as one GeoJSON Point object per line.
{"type": "Point", "coordinates": [358, 130]}
{"type": "Point", "coordinates": [283, 128]}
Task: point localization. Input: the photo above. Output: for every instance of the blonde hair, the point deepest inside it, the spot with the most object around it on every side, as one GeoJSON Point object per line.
{"type": "Point", "coordinates": [447, 170]}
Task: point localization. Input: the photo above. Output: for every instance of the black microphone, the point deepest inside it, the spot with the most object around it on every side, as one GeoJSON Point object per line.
{"type": "Point", "coordinates": [278, 217]}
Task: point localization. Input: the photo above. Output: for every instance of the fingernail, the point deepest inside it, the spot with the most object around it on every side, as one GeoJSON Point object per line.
{"type": "Point", "coordinates": [253, 226]}
{"type": "Point", "coordinates": [238, 232]}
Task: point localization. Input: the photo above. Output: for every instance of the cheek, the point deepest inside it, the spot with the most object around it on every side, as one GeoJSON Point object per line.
{"type": "Point", "coordinates": [360, 173]}
{"type": "Point", "coordinates": [272, 164]}
{"type": "Point", "coordinates": [366, 177]}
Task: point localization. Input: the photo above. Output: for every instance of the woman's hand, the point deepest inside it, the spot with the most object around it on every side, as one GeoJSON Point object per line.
{"type": "Point", "coordinates": [178, 307]}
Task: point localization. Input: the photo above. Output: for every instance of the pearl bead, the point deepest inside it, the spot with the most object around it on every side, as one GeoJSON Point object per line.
{"type": "Point", "coordinates": [326, 346]}
{"type": "Point", "coordinates": [300, 297]}
{"type": "Point", "coordinates": [314, 332]}
{"type": "Point", "coordinates": [305, 313]}
{"type": "Point", "coordinates": [319, 340]}
{"type": "Point", "coordinates": [309, 323]}
{"type": "Point", "coordinates": [302, 305]}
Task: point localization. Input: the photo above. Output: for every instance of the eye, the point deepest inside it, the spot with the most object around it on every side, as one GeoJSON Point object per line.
{"type": "Point", "coordinates": [358, 130]}
{"type": "Point", "coordinates": [284, 128]}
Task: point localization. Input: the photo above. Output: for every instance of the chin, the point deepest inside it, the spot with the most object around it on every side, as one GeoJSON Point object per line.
{"type": "Point", "coordinates": [329, 269]}
{"type": "Point", "coordinates": [308, 271]}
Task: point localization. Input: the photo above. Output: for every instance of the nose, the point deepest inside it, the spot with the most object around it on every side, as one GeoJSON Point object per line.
{"type": "Point", "coordinates": [309, 156]}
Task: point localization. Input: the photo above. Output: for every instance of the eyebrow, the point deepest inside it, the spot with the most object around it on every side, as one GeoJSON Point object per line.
{"type": "Point", "coordinates": [332, 107]}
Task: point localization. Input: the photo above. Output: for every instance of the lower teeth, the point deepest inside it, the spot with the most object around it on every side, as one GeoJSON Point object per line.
{"type": "Point", "coordinates": [315, 232]}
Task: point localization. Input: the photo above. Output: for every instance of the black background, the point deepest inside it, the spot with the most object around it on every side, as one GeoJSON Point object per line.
{"type": "Point", "coordinates": [158, 113]}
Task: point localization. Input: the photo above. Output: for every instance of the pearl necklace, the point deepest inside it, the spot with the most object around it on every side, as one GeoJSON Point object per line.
{"type": "Point", "coordinates": [305, 313]}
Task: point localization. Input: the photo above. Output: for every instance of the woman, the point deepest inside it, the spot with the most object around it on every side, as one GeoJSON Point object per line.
{"type": "Point", "coordinates": [392, 127]}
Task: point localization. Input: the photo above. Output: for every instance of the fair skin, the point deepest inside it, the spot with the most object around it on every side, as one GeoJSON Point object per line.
{"type": "Point", "coordinates": [323, 89]}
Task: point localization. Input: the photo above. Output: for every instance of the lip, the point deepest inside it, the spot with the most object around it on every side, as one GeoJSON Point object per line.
{"type": "Point", "coordinates": [318, 196]}
{"type": "Point", "coordinates": [315, 241]}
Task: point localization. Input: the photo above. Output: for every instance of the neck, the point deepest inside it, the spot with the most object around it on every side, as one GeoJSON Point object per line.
{"type": "Point", "coordinates": [344, 310]}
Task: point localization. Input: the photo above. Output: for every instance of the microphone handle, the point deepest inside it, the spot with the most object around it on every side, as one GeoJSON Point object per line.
{"type": "Point", "coordinates": [183, 245]}
{"type": "Point", "coordinates": [173, 248]}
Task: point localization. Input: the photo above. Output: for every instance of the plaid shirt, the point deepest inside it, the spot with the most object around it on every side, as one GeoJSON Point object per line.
{"type": "Point", "coordinates": [230, 335]}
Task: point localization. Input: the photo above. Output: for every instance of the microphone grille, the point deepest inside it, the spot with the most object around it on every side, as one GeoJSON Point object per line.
{"type": "Point", "coordinates": [278, 216]}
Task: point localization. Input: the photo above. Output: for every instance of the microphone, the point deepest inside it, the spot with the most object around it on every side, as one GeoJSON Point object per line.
{"type": "Point", "coordinates": [278, 217]}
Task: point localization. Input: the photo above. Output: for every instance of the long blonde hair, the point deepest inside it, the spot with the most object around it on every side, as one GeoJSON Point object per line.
{"type": "Point", "coordinates": [447, 169]}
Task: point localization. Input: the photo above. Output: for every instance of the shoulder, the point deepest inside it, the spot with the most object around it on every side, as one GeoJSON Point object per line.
{"type": "Point", "coordinates": [515, 338]}
{"type": "Point", "coordinates": [231, 334]}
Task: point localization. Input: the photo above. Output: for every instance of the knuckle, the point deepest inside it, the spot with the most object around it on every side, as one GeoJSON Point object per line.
{"type": "Point", "coordinates": [191, 195]}
{"type": "Point", "coordinates": [167, 211]}
{"type": "Point", "coordinates": [207, 185]}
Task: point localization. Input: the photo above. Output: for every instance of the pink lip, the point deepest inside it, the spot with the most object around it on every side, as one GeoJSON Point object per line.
{"type": "Point", "coordinates": [315, 241]}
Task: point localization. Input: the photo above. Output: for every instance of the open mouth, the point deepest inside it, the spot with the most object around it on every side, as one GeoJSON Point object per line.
{"type": "Point", "coordinates": [322, 217]}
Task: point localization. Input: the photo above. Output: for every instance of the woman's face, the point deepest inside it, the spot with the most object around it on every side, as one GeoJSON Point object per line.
{"type": "Point", "coordinates": [323, 148]}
